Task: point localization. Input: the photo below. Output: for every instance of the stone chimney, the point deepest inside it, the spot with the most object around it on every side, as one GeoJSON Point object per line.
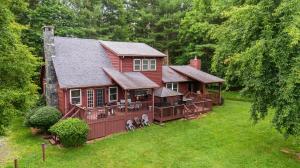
{"type": "Point", "coordinates": [196, 63]}
{"type": "Point", "coordinates": [51, 80]}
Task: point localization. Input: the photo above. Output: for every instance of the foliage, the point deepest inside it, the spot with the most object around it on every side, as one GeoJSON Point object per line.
{"type": "Point", "coordinates": [255, 46]}
{"type": "Point", "coordinates": [263, 54]}
{"type": "Point", "coordinates": [17, 68]}
{"type": "Point", "coordinates": [44, 117]}
{"type": "Point", "coordinates": [224, 138]}
{"type": "Point", "coordinates": [72, 132]}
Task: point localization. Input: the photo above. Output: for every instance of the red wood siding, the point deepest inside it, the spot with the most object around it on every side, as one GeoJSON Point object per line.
{"type": "Point", "coordinates": [115, 60]}
{"type": "Point", "coordinates": [156, 76]}
{"type": "Point", "coordinates": [183, 87]}
{"type": "Point", "coordinates": [61, 99]}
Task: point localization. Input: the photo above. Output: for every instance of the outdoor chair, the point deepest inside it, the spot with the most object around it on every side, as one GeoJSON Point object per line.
{"type": "Point", "coordinates": [120, 106]}
{"type": "Point", "coordinates": [145, 120]}
{"type": "Point", "coordinates": [129, 125]}
{"type": "Point", "coordinates": [137, 122]}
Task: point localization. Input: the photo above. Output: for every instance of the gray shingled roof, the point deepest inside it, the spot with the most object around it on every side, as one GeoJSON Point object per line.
{"type": "Point", "coordinates": [170, 75]}
{"type": "Point", "coordinates": [197, 74]}
{"type": "Point", "coordinates": [165, 92]}
{"type": "Point", "coordinates": [132, 49]}
{"type": "Point", "coordinates": [130, 80]}
{"type": "Point", "coordinates": [79, 62]}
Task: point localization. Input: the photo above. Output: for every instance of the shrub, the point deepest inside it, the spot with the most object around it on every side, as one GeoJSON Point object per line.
{"type": "Point", "coordinates": [28, 115]}
{"type": "Point", "coordinates": [44, 117]}
{"type": "Point", "coordinates": [72, 132]}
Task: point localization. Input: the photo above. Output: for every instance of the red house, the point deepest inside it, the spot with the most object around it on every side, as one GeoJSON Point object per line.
{"type": "Point", "coordinates": [107, 83]}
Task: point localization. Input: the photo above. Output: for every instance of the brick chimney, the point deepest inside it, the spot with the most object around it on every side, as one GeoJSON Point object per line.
{"type": "Point", "coordinates": [51, 80]}
{"type": "Point", "coordinates": [196, 63]}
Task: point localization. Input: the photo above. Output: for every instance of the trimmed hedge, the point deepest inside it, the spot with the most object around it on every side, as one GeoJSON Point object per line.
{"type": "Point", "coordinates": [43, 118]}
{"type": "Point", "coordinates": [72, 132]}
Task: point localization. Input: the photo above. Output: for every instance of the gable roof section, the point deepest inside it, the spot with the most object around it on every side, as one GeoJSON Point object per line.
{"type": "Point", "coordinates": [79, 62]}
{"type": "Point", "coordinates": [165, 92]}
{"type": "Point", "coordinates": [130, 80]}
{"type": "Point", "coordinates": [197, 74]}
{"type": "Point", "coordinates": [132, 49]}
{"type": "Point", "coordinates": [170, 75]}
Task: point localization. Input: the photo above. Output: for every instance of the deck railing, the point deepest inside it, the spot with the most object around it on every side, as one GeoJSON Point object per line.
{"type": "Point", "coordinates": [93, 114]}
{"type": "Point", "coordinates": [214, 96]}
{"type": "Point", "coordinates": [168, 113]}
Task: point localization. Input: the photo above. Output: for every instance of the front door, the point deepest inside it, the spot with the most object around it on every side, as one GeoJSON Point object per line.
{"type": "Point", "coordinates": [193, 87]}
{"type": "Point", "coordinates": [99, 97]}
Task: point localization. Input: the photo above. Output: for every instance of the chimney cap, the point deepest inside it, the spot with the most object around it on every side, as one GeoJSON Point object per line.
{"type": "Point", "coordinates": [195, 58]}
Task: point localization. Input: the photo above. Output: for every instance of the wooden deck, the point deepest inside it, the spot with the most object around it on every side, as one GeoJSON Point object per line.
{"type": "Point", "coordinates": [112, 119]}
{"type": "Point", "coordinates": [167, 113]}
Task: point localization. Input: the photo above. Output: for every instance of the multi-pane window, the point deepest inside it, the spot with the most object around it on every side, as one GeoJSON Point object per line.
{"type": "Point", "coordinates": [75, 96]}
{"type": "Point", "coordinates": [99, 97]}
{"type": "Point", "coordinates": [90, 98]}
{"type": "Point", "coordinates": [113, 94]}
{"type": "Point", "coordinates": [172, 86]}
{"type": "Point", "coordinates": [153, 64]}
{"type": "Point", "coordinates": [136, 64]}
{"type": "Point", "coordinates": [145, 64]}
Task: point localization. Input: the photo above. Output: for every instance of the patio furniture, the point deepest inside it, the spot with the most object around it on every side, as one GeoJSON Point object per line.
{"type": "Point", "coordinates": [145, 120]}
{"type": "Point", "coordinates": [129, 125]}
{"type": "Point", "coordinates": [137, 122]}
{"type": "Point", "coordinates": [138, 105]}
{"type": "Point", "coordinates": [122, 101]}
{"type": "Point", "coordinates": [120, 106]}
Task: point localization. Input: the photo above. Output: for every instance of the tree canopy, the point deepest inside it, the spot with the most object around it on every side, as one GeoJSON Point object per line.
{"type": "Point", "coordinates": [17, 68]}
{"type": "Point", "coordinates": [255, 46]}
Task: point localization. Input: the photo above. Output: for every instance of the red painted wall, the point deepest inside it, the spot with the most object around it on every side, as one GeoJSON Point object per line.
{"type": "Point", "coordinates": [115, 60]}
{"type": "Point", "coordinates": [156, 76]}
{"type": "Point", "coordinates": [61, 99]}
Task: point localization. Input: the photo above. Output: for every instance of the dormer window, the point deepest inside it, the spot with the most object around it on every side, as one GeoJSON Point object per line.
{"type": "Point", "coordinates": [137, 64]}
{"type": "Point", "coordinates": [153, 64]}
{"type": "Point", "coordinates": [144, 65]}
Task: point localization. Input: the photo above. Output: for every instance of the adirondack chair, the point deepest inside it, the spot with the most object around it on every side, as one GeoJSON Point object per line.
{"type": "Point", "coordinates": [145, 120]}
{"type": "Point", "coordinates": [137, 122]}
{"type": "Point", "coordinates": [129, 125]}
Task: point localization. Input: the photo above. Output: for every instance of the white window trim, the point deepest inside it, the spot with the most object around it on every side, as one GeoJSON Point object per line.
{"type": "Point", "coordinates": [150, 65]}
{"type": "Point", "coordinates": [147, 65]}
{"type": "Point", "coordinates": [172, 88]}
{"type": "Point", "coordinates": [87, 98]}
{"type": "Point", "coordinates": [116, 93]}
{"type": "Point", "coordinates": [140, 67]}
{"type": "Point", "coordinates": [79, 96]}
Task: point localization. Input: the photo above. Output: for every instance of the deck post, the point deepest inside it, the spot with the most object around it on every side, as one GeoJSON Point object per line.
{"type": "Point", "coordinates": [152, 104]}
{"type": "Point", "coordinates": [126, 103]}
{"type": "Point", "coordinates": [204, 90]}
{"type": "Point", "coordinates": [220, 99]}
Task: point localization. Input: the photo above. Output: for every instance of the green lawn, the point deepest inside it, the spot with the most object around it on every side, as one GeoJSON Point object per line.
{"type": "Point", "coordinates": [223, 138]}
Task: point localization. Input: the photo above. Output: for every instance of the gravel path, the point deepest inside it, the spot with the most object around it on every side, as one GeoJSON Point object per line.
{"type": "Point", "coordinates": [4, 150]}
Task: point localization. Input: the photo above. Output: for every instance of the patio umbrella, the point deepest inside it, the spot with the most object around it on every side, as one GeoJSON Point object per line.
{"type": "Point", "coordinates": [165, 92]}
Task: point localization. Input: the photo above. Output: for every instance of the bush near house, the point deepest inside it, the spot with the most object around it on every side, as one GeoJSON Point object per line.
{"type": "Point", "coordinates": [72, 132]}
{"type": "Point", "coordinates": [43, 118]}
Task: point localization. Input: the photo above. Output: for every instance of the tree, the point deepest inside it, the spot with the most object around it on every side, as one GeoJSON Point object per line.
{"type": "Point", "coordinates": [258, 47]}
{"type": "Point", "coordinates": [17, 68]}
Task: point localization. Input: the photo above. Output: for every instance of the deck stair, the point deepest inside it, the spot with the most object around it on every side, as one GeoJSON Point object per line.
{"type": "Point", "coordinates": [189, 112]}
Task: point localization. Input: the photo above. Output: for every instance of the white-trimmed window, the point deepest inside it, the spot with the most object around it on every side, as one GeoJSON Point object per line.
{"type": "Point", "coordinates": [173, 86]}
{"type": "Point", "coordinates": [137, 64]}
{"type": "Point", "coordinates": [75, 96]}
{"type": "Point", "coordinates": [153, 64]}
{"type": "Point", "coordinates": [90, 98]}
{"type": "Point", "coordinates": [113, 94]}
{"type": "Point", "coordinates": [145, 64]}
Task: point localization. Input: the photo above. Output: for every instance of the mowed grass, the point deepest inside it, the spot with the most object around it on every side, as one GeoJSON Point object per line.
{"type": "Point", "coordinates": [225, 137]}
